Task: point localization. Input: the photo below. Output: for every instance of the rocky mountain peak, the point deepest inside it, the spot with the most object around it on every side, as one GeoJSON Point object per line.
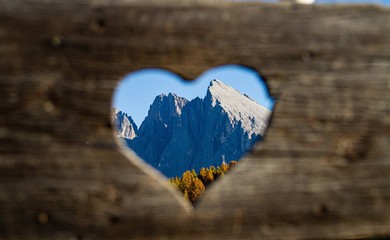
{"type": "Point", "coordinates": [178, 135]}
{"type": "Point", "coordinates": [164, 107]}
{"type": "Point", "coordinates": [124, 124]}
{"type": "Point", "coordinates": [239, 107]}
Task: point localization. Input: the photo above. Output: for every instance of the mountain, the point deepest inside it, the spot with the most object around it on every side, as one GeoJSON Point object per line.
{"type": "Point", "coordinates": [178, 135]}
{"type": "Point", "coordinates": [124, 125]}
{"type": "Point", "coordinates": [157, 128]}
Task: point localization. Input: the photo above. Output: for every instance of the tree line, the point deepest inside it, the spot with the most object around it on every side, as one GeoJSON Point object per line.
{"type": "Point", "coordinates": [193, 185]}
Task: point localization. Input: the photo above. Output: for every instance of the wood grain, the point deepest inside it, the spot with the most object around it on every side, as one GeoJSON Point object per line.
{"type": "Point", "coordinates": [323, 171]}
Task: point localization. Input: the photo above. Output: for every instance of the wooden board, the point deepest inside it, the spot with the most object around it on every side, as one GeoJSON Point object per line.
{"type": "Point", "coordinates": [323, 171]}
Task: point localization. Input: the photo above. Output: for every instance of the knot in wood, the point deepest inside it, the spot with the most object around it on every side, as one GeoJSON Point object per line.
{"type": "Point", "coordinates": [320, 210]}
{"type": "Point", "coordinates": [43, 218]}
{"type": "Point", "coordinates": [57, 41]}
{"type": "Point", "coordinates": [352, 148]}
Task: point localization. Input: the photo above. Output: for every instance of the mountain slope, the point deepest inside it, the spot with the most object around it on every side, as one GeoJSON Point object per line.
{"type": "Point", "coordinates": [239, 107]}
{"type": "Point", "coordinates": [156, 130]}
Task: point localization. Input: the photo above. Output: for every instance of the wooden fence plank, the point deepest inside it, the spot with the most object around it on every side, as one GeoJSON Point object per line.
{"type": "Point", "coordinates": [323, 171]}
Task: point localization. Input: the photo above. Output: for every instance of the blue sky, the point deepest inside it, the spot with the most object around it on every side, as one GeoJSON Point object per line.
{"type": "Point", "coordinates": [138, 89]}
{"type": "Point", "coordinates": [380, 2]}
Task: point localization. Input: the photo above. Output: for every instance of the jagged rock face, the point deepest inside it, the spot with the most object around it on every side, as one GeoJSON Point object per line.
{"type": "Point", "coordinates": [156, 130]}
{"type": "Point", "coordinates": [125, 125]}
{"type": "Point", "coordinates": [179, 135]}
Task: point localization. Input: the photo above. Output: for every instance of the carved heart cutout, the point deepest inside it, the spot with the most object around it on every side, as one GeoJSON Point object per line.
{"type": "Point", "coordinates": [192, 131]}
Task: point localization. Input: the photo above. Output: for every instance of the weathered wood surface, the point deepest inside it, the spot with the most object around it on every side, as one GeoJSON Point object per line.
{"type": "Point", "coordinates": [323, 171]}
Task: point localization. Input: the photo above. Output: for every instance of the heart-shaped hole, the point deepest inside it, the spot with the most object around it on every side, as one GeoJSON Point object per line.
{"type": "Point", "coordinates": [192, 132]}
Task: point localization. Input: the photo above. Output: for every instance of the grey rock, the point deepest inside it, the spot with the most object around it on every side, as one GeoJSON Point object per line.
{"type": "Point", "coordinates": [179, 135]}
{"type": "Point", "coordinates": [124, 125]}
